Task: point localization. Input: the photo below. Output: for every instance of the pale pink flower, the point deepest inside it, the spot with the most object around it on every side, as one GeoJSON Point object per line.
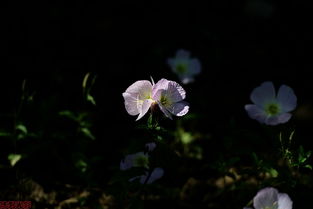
{"type": "Point", "coordinates": [168, 95]}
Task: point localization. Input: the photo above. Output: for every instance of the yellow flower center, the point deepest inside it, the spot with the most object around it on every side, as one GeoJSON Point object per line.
{"type": "Point", "coordinates": [181, 68]}
{"type": "Point", "coordinates": [141, 161]}
{"type": "Point", "coordinates": [272, 109]}
{"type": "Point", "coordinates": [274, 206]}
{"type": "Point", "coordinates": [147, 95]}
{"type": "Point", "coordinates": [144, 96]}
{"type": "Point", "coordinates": [165, 101]}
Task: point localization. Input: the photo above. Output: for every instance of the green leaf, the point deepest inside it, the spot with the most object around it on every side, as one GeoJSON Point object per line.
{"type": "Point", "coordinates": [82, 165]}
{"type": "Point", "coordinates": [85, 80]}
{"type": "Point", "coordinates": [14, 158]}
{"type": "Point", "coordinates": [150, 121]}
{"type": "Point", "coordinates": [308, 166]}
{"type": "Point", "coordinates": [22, 131]}
{"type": "Point", "coordinates": [258, 162]}
{"type": "Point", "coordinates": [68, 114]}
{"type": "Point", "coordinates": [88, 133]}
{"type": "Point", "coordinates": [87, 87]}
{"type": "Point", "coordinates": [158, 128]}
{"type": "Point", "coordinates": [273, 172]}
{"type": "Point", "coordinates": [308, 154]}
{"type": "Point", "coordinates": [21, 128]}
{"type": "Point", "coordinates": [91, 99]}
{"type": "Point", "coordinates": [186, 138]}
{"type": "Point", "coordinates": [5, 134]}
{"type": "Point", "coordinates": [303, 156]}
{"type": "Point", "coordinates": [291, 135]}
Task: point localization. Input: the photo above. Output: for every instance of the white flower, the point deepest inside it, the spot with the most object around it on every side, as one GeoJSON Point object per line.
{"type": "Point", "coordinates": [269, 198]}
{"type": "Point", "coordinates": [168, 95]}
{"type": "Point", "coordinates": [141, 159]}
{"type": "Point", "coordinates": [269, 108]}
{"type": "Point", "coordinates": [184, 66]}
{"type": "Point", "coordinates": [138, 99]}
{"type": "Point", "coordinates": [150, 146]}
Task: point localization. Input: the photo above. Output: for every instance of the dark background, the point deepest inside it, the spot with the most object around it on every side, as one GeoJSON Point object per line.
{"type": "Point", "coordinates": [239, 43]}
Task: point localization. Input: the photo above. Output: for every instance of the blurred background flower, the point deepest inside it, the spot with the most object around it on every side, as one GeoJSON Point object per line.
{"type": "Point", "coordinates": [184, 66]}
{"type": "Point", "coordinates": [269, 108]}
{"type": "Point", "coordinates": [270, 198]}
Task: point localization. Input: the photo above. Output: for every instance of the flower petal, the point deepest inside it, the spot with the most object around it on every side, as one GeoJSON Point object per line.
{"type": "Point", "coordinates": [275, 120]}
{"type": "Point", "coordinates": [179, 108]}
{"type": "Point", "coordinates": [150, 146]}
{"type": "Point", "coordinates": [263, 94]}
{"type": "Point", "coordinates": [182, 54]}
{"type": "Point", "coordinates": [140, 89]}
{"type": "Point", "coordinates": [130, 104]}
{"type": "Point", "coordinates": [161, 84]}
{"type": "Point", "coordinates": [157, 97]}
{"type": "Point", "coordinates": [255, 112]}
{"type": "Point", "coordinates": [125, 165]}
{"type": "Point", "coordinates": [169, 89]}
{"type": "Point", "coordinates": [194, 66]}
{"type": "Point", "coordinates": [134, 178]}
{"type": "Point", "coordinates": [165, 111]}
{"type": "Point", "coordinates": [266, 197]}
{"type": "Point", "coordinates": [287, 98]}
{"type": "Point", "coordinates": [128, 162]}
{"type": "Point", "coordinates": [186, 79]}
{"type": "Point", "coordinates": [175, 92]}
{"type": "Point", "coordinates": [284, 201]}
{"type": "Point", "coordinates": [172, 63]}
{"type": "Point", "coordinates": [144, 107]}
{"type": "Point", "coordinates": [155, 175]}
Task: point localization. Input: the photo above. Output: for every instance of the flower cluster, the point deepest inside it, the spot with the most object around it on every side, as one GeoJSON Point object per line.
{"type": "Point", "coordinates": [141, 159]}
{"type": "Point", "coordinates": [269, 108]}
{"type": "Point", "coordinates": [168, 95]}
{"type": "Point", "coordinates": [184, 66]}
{"type": "Point", "coordinates": [269, 198]}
